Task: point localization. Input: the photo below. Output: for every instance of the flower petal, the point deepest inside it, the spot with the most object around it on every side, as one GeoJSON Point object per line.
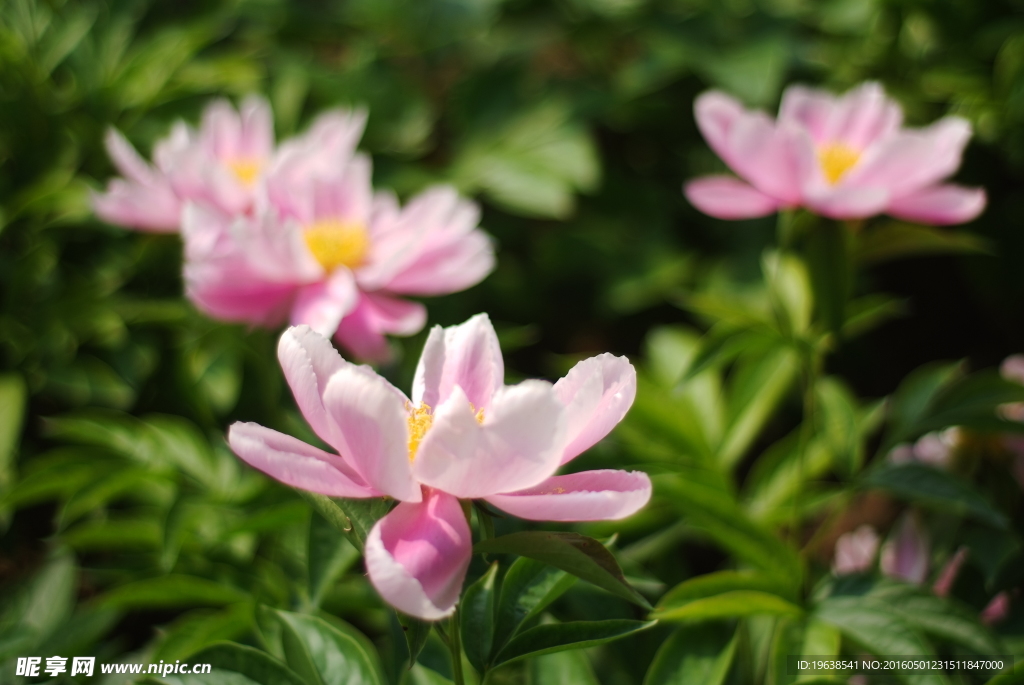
{"type": "Point", "coordinates": [605, 495]}
{"type": "Point", "coordinates": [308, 361]}
{"type": "Point", "coordinates": [295, 463]}
{"type": "Point", "coordinates": [842, 202]}
{"type": "Point", "coordinates": [597, 393]}
{"type": "Point", "coordinates": [371, 429]}
{"type": "Point", "coordinates": [517, 445]}
{"type": "Point", "coordinates": [729, 198]}
{"type": "Point", "coordinates": [363, 331]}
{"type": "Point", "coordinates": [940, 205]}
{"type": "Point", "coordinates": [467, 356]}
{"type": "Point", "coordinates": [150, 208]}
{"type": "Point", "coordinates": [905, 555]}
{"type": "Point", "coordinates": [256, 141]}
{"type": "Point", "coordinates": [716, 114]}
{"type": "Point", "coordinates": [418, 554]}
{"type": "Point", "coordinates": [323, 305]}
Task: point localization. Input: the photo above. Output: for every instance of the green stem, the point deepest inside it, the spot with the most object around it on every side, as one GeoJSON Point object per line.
{"type": "Point", "coordinates": [455, 644]}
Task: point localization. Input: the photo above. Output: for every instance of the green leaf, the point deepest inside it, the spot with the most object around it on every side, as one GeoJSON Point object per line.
{"type": "Point", "coordinates": [717, 513]}
{"type": "Point", "coordinates": [13, 397]}
{"type": "Point", "coordinates": [324, 655]}
{"type": "Point", "coordinates": [50, 597]}
{"type": "Point", "coordinates": [939, 617]}
{"type": "Point", "coordinates": [259, 667]}
{"type": "Point", "coordinates": [1014, 677]}
{"type": "Point", "coordinates": [329, 556]}
{"type": "Point", "coordinates": [716, 583]}
{"type": "Point", "coordinates": [416, 633]}
{"type": "Point", "coordinates": [897, 239]}
{"type": "Point", "coordinates": [201, 628]}
{"type": "Point", "coordinates": [562, 668]}
{"type": "Point", "coordinates": [935, 488]}
{"type": "Point", "coordinates": [476, 614]}
{"type": "Point", "coordinates": [789, 286]}
{"type": "Point", "coordinates": [694, 655]}
{"type": "Point", "coordinates": [528, 587]}
{"type": "Point", "coordinates": [912, 399]}
{"type": "Point", "coordinates": [582, 556]}
{"type": "Point", "coordinates": [557, 637]}
{"type": "Point", "coordinates": [732, 604]}
{"type": "Point", "coordinates": [171, 591]}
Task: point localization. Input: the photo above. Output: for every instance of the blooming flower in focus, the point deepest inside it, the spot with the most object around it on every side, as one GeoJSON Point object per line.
{"type": "Point", "coordinates": [855, 551]}
{"type": "Point", "coordinates": [326, 252]}
{"type": "Point", "coordinates": [462, 435]}
{"type": "Point", "coordinates": [844, 157]}
{"type": "Point", "coordinates": [220, 165]}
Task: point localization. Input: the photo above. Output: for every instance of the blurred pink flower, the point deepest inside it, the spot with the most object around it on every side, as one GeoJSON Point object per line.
{"type": "Point", "coordinates": [855, 551]}
{"type": "Point", "coordinates": [325, 251]}
{"type": "Point", "coordinates": [222, 165]}
{"type": "Point", "coordinates": [844, 157]}
{"type": "Point", "coordinates": [947, 576]}
{"type": "Point", "coordinates": [935, 449]}
{"type": "Point", "coordinates": [463, 435]}
{"type": "Point", "coordinates": [905, 554]}
{"type": "Point", "coordinates": [997, 610]}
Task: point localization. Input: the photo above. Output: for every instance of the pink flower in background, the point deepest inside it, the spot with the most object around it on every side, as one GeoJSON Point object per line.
{"type": "Point", "coordinates": [905, 554]}
{"type": "Point", "coordinates": [462, 435]}
{"type": "Point", "coordinates": [855, 551]}
{"type": "Point", "coordinates": [935, 449]}
{"type": "Point", "coordinates": [220, 165]}
{"type": "Point", "coordinates": [996, 610]}
{"type": "Point", "coordinates": [325, 251]}
{"type": "Point", "coordinates": [844, 157]}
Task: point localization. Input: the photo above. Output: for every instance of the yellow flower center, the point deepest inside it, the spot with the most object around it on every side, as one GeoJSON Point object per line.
{"type": "Point", "coordinates": [246, 169]}
{"type": "Point", "coordinates": [337, 243]}
{"type": "Point", "coordinates": [836, 159]}
{"type": "Point", "coordinates": [420, 419]}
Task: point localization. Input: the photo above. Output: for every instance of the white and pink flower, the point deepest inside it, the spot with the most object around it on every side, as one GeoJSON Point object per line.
{"type": "Point", "coordinates": [325, 251]}
{"type": "Point", "coordinates": [462, 435]}
{"type": "Point", "coordinates": [844, 157]}
{"type": "Point", "coordinates": [221, 165]}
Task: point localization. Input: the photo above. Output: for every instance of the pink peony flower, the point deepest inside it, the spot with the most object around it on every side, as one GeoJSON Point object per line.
{"type": "Point", "coordinates": [855, 551]}
{"type": "Point", "coordinates": [324, 251]}
{"type": "Point", "coordinates": [905, 554]}
{"type": "Point", "coordinates": [844, 157]}
{"type": "Point", "coordinates": [222, 165]}
{"type": "Point", "coordinates": [462, 435]}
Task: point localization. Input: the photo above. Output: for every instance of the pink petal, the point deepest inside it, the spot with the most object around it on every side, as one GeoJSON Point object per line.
{"type": "Point", "coordinates": [725, 197]}
{"type": "Point", "coordinates": [256, 141]}
{"type": "Point", "coordinates": [220, 132]}
{"type": "Point", "coordinates": [905, 555]}
{"type": "Point", "coordinates": [855, 551]}
{"type": "Point", "coordinates": [764, 155]}
{"type": "Point", "coordinates": [126, 159]}
{"type": "Point", "coordinates": [150, 208]}
{"type": "Point", "coordinates": [716, 114]}
{"type": "Point", "coordinates": [375, 315]}
{"type": "Point", "coordinates": [371, 430]}
{"type": "Point", "coordinates": [810, 109]}
{"type": "Point", "coordinates": [295, 463]}
{"type": "Point", "coordinates": [308, 361]}
{"type": "Point", "coordinates": [323, 305]}
{"type": "Point", "coordinates": [348, 196]}
{"type": "Point", "coordinates": [467, 356]}
{"type": "Point", "coordinates": [947, 576]}
{"type": "Point", "coordinates": [447, 268]}
{"type": "Point", "coordinates": [588, 496]}
{"type": "Point", "coordinates": [912, 159]}
{"type": "Point", "coordinates": [843, 202]}
{"type": "Point", "coordinates": [939, 205]}
{"type": "Point", "coordinates": [418, 554]}
{"type": "Point", "coordinates": [864, 115]}
{"type": "Point", "coordinates": [197, 175]}
{"type": "Point", "coordinates": [997, 610]}
{"type": "Point", "coordinates": [517, 445]}
{"type": "Point", "coordinates": [597, 393]}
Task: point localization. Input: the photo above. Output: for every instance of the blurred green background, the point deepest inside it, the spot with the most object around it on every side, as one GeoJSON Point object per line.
{"type": "Point", "coordinates": [129, 529]}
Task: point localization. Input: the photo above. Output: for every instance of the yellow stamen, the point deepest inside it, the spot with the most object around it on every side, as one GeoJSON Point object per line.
{"type": "Point", "coordinates": [836, 159]}
{"type": "Point", "coordinates": [246, 169]}
{"type": "Point", "coordinates": [337, 243]}
{"type": "Point", "coordinates": [420, 419]}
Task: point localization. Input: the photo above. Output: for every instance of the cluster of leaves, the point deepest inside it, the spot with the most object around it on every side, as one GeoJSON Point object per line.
{"type": "Point", "coordinates": [132, 534]}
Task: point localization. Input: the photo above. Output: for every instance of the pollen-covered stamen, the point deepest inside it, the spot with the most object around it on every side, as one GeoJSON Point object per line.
{"type": "Point", "coordinates": [337, 243]}
{"type": "Point", "coordinates": [836, 159]}
{"type": "Point", "coordinates": [420, 419]}
{"type": "Point", "coordinates": [246, 169]}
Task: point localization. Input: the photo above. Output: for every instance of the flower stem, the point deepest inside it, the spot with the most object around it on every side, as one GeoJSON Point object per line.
{"type": "Point", "coordinates": [455, 644]}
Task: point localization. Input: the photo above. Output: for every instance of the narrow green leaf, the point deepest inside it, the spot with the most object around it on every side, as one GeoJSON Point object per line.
{"type": "Point", "coordinates": [171, 591]}
{"type": "Point", "coordinates": [716, 583]}
{"type": "Point", "coordinates": [732, 604]}
{"type": "Point", "coordinates": [694, 655]}
{"type": "Point", "coordinates": [830, 268]}
{"type": "Point", "coordinates": [528, 587]}
{"type": "Point", "coordinates": [201, 628]}
{"type": "Point", "coordinates": [577, 554]}
{"type": "Point", "coordinates": [13, 396]}
{"type": "Point", "coordinates": [897, 239]}
{"type": "Point", "coordinates": [329, 556]}
{"type": "Point", "coordinates": [562, 668]}
{"type": "Point", "coordinates": [321, 653]}
{"type": "Point", "coordinates": [939, 617]}
{"type": "Point", "coordinates": [257, 666]}
{"type": "Point", "coordinates": [476, 614]}
{"type": "Point", "coordinates": [556, 637]}
{"type": "Point", "coordinates": [416, 633]}
{"type": "Point", "coordinates": [933, 487]}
